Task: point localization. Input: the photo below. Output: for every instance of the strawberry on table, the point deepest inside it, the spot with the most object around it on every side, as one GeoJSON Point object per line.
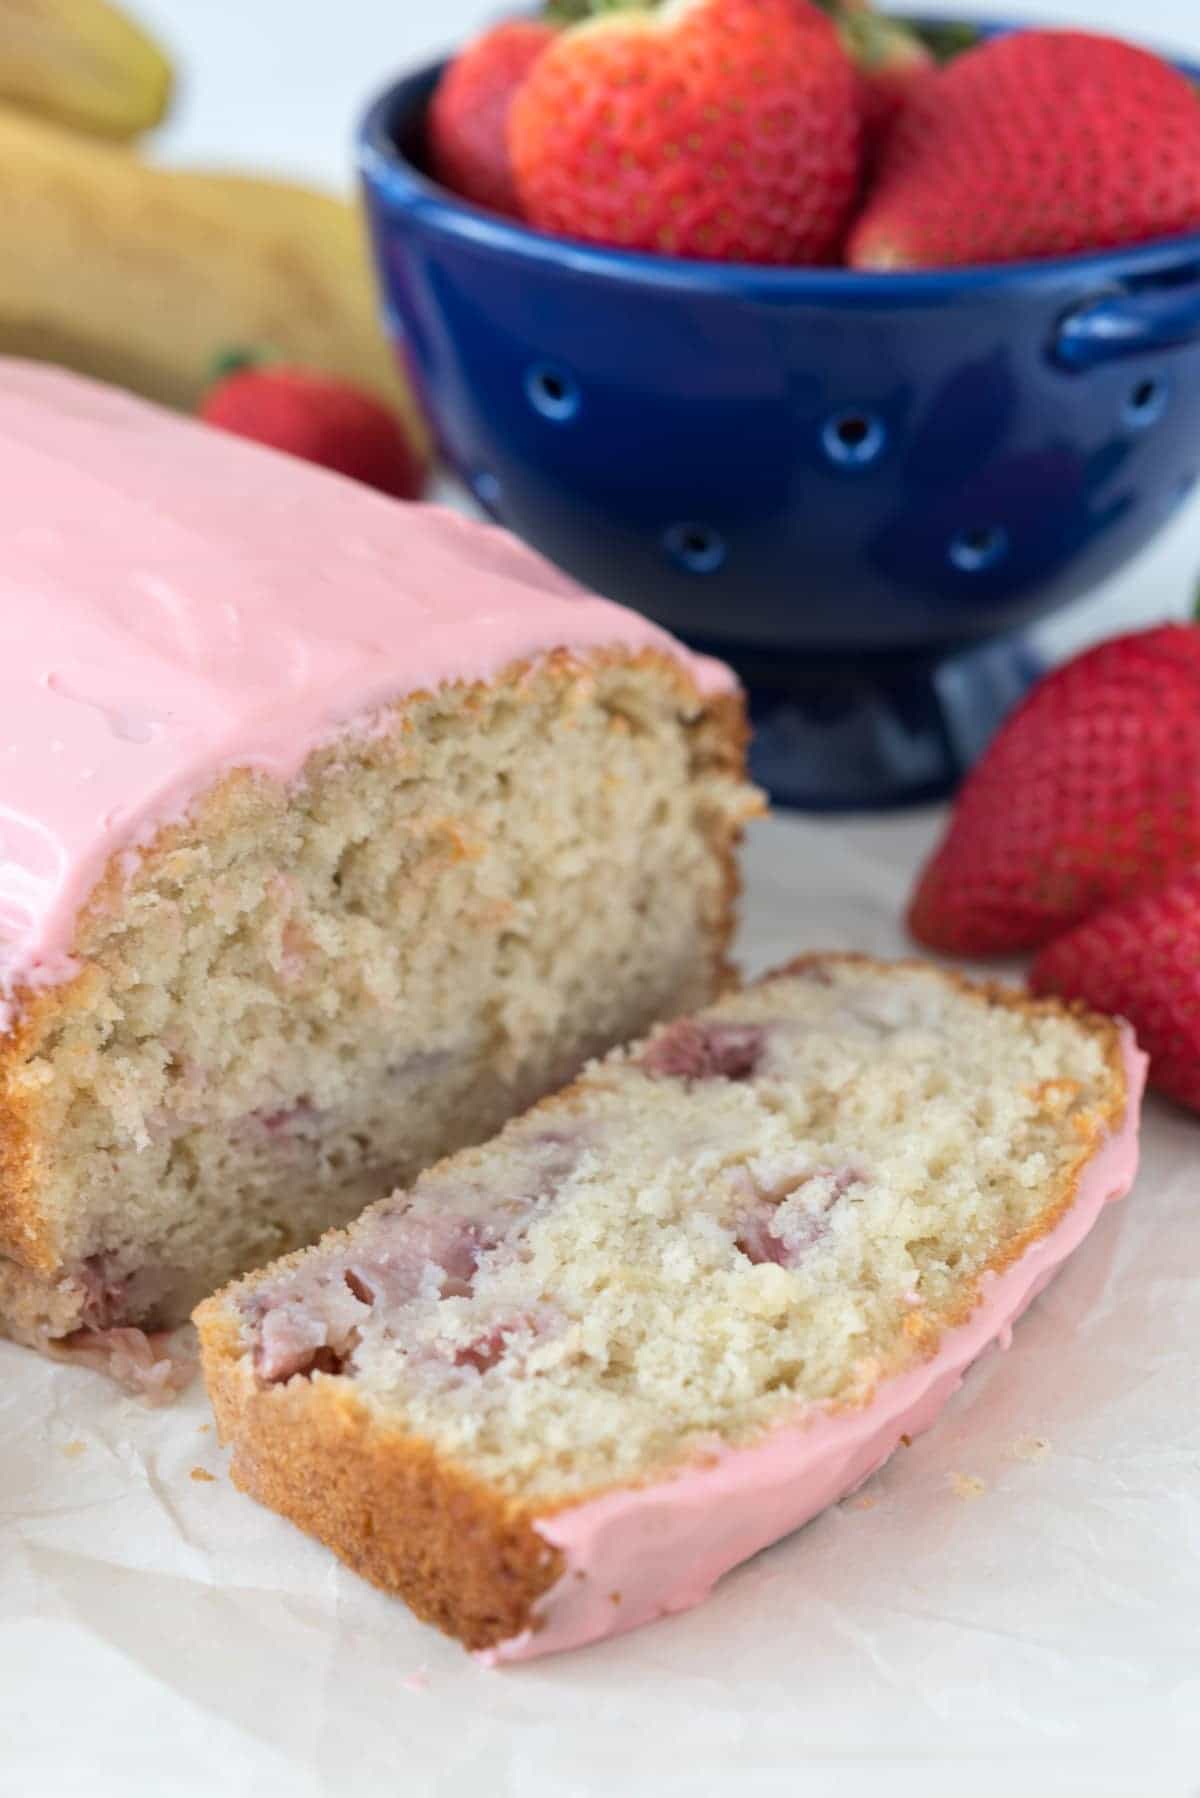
{"type": "Point", "coordinates": [468, 115]}
{"type": "Point", "coordinates": [1041, 143]}
{"type": "Point", "coordinates": [319, 419]}
{"type": "Point", "coordinates": [1089, 794]}
{"type": "Point", "coordinates": [728, 130]}
{"type": "Point", "coordinates": [1141, 961]}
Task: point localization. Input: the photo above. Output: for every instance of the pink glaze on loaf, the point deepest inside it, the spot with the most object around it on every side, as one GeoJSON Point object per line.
{"type": "Point", "coordinates": [175, 603]}
{"type": "Point", "coordinates": [661, 1548]}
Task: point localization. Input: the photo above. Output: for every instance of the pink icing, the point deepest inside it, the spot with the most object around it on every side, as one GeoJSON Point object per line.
{"type": "Point", "coordinates": [641, 1553]}
{"type": "Point", "coordinates": [175, 602]}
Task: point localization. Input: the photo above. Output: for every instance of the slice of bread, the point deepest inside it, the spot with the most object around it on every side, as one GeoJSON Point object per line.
{"type": "Point", "coordinates": [566, 1381]}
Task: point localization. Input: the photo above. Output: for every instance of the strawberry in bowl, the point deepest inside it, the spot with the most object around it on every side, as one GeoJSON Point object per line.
{"type": "Point", "coordinates": [724, 129]}
{"type": "Point", "coordinates": [469, 112]}
{"type": "Point", "coordinates": [1041, 143]}
{"type": "Point", "coordinates": [859, 485]}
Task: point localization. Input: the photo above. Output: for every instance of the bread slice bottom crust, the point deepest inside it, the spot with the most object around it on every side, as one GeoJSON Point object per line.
{"type": "Point", "coordinates": [390, 1506]}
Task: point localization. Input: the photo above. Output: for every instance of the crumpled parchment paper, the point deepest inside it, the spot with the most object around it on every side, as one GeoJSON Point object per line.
{"type": "Point", "coordinates": [1011, 1607]}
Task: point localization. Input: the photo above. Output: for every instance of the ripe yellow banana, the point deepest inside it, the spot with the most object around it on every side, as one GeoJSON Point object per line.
{"type": "Point", "coordinates": [83, 63]}
{"type": "Point", "coordinates": [144, 276]}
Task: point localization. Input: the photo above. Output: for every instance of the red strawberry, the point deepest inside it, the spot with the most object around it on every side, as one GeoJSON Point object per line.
{"type": "Point", "coordinates": [1141, 960]}
{"type": "Point", "coordinates": [892, 60]}
{"type": "Point", "coordinates": [1041, 143]}
{"type": "Point", "coordinates": [321, 420]}
{"type": "Point", "coordinates": [468, 115]}
{"type": "Point", "coordinates": [722, 129]}
{"type": "Point", "coordinates": [1089, 794]}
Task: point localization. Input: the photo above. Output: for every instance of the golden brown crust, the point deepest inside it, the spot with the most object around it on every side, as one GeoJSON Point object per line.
{"type": "Point", "coordinates": [35, 1309]}
{"type": "Point", "coordinates": [463, 1555]}
{"type": "Point", "coordinates": [411, 1522]}
{"type": "Point", "coordinates": [28, 1237]}
{"type": "Point", "coordinates": [725, 742]}
{"type": "Point", "coordinates": [24, 1231]}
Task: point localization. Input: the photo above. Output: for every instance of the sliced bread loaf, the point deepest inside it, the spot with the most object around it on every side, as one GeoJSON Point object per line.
{"type": "Point", "coordinates": [334, 832]}
{"type": "Point", "coordinates": [570, 1378]}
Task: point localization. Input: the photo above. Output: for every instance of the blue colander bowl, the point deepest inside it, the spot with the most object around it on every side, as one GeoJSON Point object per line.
{"type": "Point", "coordinates": [859, 489]}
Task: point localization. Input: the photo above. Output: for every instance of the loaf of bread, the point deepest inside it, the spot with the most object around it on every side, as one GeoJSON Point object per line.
{"type": "Point", "coordinates": [568, 1379]}
{"type": "Point", "coordinates": [334, 833]}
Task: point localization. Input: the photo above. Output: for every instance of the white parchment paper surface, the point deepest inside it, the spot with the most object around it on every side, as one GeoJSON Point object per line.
{"type": "Point", "coordinates": [1011, 1607]}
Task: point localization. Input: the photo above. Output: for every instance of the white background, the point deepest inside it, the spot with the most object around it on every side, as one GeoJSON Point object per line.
{"type": "Point", "coordinates": [160, 1637]}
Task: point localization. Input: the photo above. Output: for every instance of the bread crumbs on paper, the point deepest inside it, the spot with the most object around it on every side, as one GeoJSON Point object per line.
{"type": "Point", "coordinates": [967, 1485]}
{"type": "Point", "coordinates": [1030, 1448]}
{"type": "Point", "coordinates": [203, 1476]}
{"type": "Point", "coordinates": [72, 1450]}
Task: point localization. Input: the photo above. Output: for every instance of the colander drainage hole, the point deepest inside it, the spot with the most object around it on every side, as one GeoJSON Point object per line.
{"type": "Point", "coordinates": [553, 392]}
{"type": "Point", "coordinates": [1146, 403]}
{"type": "Point", "coordinates": [695, 547]}
{"type": "Point", "coordinates": [854, 439]}
{"type": "Point", "coordinates": [979, 548]}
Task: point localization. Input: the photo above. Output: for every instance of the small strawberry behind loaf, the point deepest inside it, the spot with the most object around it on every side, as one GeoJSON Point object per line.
{"type": "Point", "coordinates": [570, 1378]}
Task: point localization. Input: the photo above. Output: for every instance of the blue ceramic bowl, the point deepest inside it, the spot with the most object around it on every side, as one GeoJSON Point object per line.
{"type": "Point", "coordinates": [843, 483]}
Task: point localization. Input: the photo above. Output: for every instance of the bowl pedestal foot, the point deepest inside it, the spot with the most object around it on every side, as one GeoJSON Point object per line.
{"type": "Point", "coordinates": [877, 733]}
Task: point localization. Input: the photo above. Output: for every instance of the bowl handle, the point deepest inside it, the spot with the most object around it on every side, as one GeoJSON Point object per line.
{"type": "Point", "coordinates": [1128, 323]}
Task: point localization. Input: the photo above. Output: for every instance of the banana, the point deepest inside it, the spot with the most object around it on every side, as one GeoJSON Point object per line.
{"type": "Point", "coordinates": [145, 276]}
{"type": "Point", "coordinates": [83, 63]}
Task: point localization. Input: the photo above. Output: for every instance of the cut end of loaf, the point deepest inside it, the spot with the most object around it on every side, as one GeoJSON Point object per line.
{"type": "Point", "coordinates": [303, 993]}
{"type": "Point", "coordinates": [768, 1212]}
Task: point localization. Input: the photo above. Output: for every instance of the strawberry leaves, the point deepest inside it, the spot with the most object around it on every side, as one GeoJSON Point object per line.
{"type": "Point", "coordinates": [574, 12]}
